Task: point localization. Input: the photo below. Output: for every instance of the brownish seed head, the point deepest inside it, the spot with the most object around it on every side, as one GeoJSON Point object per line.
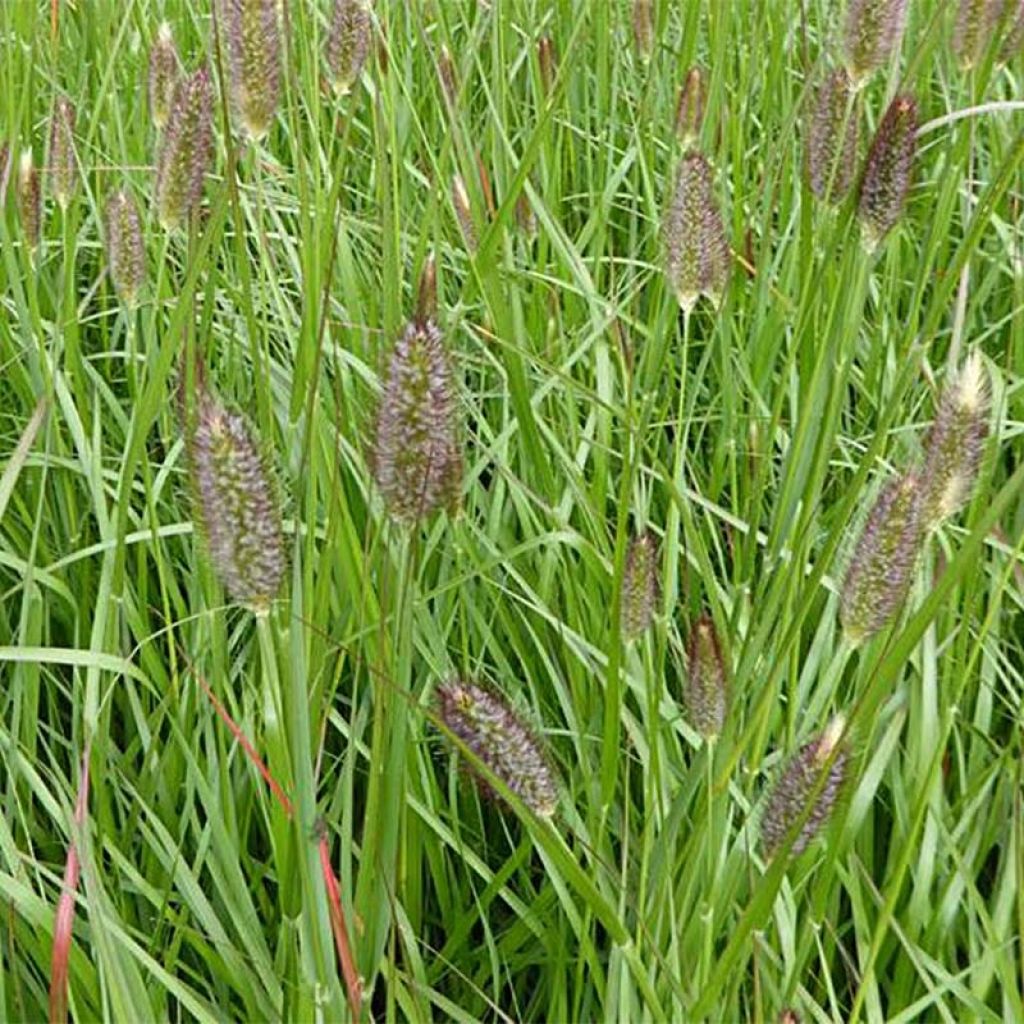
{"type": "Point", "coordinates": [888, 170]}
{"type": "Point", "coordinates": [125, 252]}
{"type": "Point", "coordinates": [873, 30]}
{"type": "Point", "coordinates": [164, 72]}
{"type": "Point", "coordinates": [707, 679]}
{"type": "Point", "coordinates": [29, 199]}
{"type": "Point", "coordinates": [639, 586]}
{"type": "Point", "coordinates": [63, 166]}
{"type": "Point", "coordinates": [348, 42]}
{"type": "Point", "coordinates": [690, 107]}
{"type": "Point", "coordinates": [254, 52]}
{"type": "Point", "coordinates": [831, 144]}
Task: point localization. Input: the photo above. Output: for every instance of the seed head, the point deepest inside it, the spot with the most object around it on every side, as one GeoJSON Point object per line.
{"type": "Point", "coordinates": [464, 213]}
{"type": "Point", "coordinates": [639, 586]}
{"type": "Point", "coordinates": [881, 569]}
{"type": "Point", "coordinates": [547, 60]}
{"type": "Point", "coordinates": [28, 197]}
{"type": "Point", "coordinates": [1013, 14]}
{"type": "Point", "coordinates": [873, 30]}
{"type": "Point", "coordinates": [707, 679]}
{"type": "Point", "coordinates": [887, 170]}
{"type": "Point", "coordinates": [690, 108]}
{"type": "Point", "coordinates": [976, 22]}
{"type": "Point", "coordinates": [185, 150]}
{"type": "Point", "coordinates": [348, 43]}
{"type": "Point", "coordinates": [955, 443]}
{"type": "Point", "coordinates": [63, 168]}
{"type": "Point", "coordinates": [643, 28]}
{"type": "Point", "coordinates": [696, 251]}
{"type": "Point", "coordinates": [499, 738]}
{"type": "Point", "coordinates": [5, 172]}
{"type": "Point", "coordinates": [125, 253]}
{"type": "Point", "coordinates": [447, 77]}
{"type": "Point", "coordinates": [254, 52]}
{"type": "Point", "coordinates": [235, 504]}
{"type": "Point", "coordinates": [526, 219]}
{"type": "Point", "coordinates": [164, 72]}
{"type": "Point", "coordinates": [832, 138]}
{"type": "Point", "coordinates": [807, 780]}
{"type": "Point", "coordinates": [416, 459]}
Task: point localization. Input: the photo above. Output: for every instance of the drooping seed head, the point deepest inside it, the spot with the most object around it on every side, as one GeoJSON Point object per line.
{"type": "Point", "coordinates": [639, 586]}
{"type": "Point", "coordinates": [185, 150]}
{"type": "Point", "coordinates": [235, 504]}
{"type": "Point", "coordinates": [29, 199]}
{"type": "Point", "coordinates": [706, 692]}
{"type": "Point", "coordinates": [348, 43]}
{"type": "Point", "coordinates": [882, 565]}
{"type": "Point", "coordinates": [955, 443]}
{"type": "Point", "coordinates": [254, 52]}
{"type": "Point", "coordinates": [873, 30]}
{"type": "Point", "coordinates": [63, 167]}
{"type": "Point", "coordinates": [417, 461]}
{"type": "Point", "coordinates": [499, 738]}
{"type": "Point", "coordinates": [125, 252]}
{"type": "Point", "coordinates": [643, 28]}
{"type": "Point", "coordinates": [690, 107]}
{"type": "Point", "coordinates": [976, 22]}
{"type": "Point", "coordinates": [164, 72]}
{"type": "Point", "coordinates": [807, 781]}
{"type": "Point", "coordinates": [831, 150]}
{"type": "Point", "coordinates": [888, 170]}
{"type": "Point", "coordinates": [697, 257]}
{"type": "Point", "coordinates": [464, 213]}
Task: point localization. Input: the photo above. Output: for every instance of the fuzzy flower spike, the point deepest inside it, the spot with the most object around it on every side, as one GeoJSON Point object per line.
{"type": "Point", "coordinates": [125, 251]}
{"type": "Point", "coordinates": [887, 171]}
{"type": "Point", "coordinates": [348, 42]}
{"type": "Point", "coordinates": [831, 149]}
{"type": "Point", "coordinates": [639, 586]}
{"type": "Point", "coordinates": [872, 32]}
{"type": "Point", "coordinates": [497, 735]}
{"type": "Point", "coordinates": [707, 679]}
{"type": "Point", "coordinates": [164, 71]}
{"type": "Point", "coordinates": [63, 168]}
{"type": "Point", "coordinates": [254, 49]}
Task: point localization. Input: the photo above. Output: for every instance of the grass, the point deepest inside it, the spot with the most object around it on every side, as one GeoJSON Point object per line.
{"type": "Point", "coordinates": [749, 439]}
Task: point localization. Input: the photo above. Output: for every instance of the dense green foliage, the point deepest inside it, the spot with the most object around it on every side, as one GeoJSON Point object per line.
{"type": "Point", "coordinates": [748, 440]}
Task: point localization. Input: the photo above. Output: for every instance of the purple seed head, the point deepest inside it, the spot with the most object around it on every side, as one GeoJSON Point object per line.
{"type": "Point", "coordinates": [348, 42]}
{"type": "Point", "coordinates": [888, 169]}
{"type": "Point", "coordinates": [706, 693]}
{"type": "Point", "coordinates": [643, 28]}
{"type": "Point", "coordinates": [976, 22]}
{"type": "Point", "coordinates": [63, 167]}
{"type": "Point", "coordinates": [164, 72]}
{"type": "Point", "coordinates": [235, 504]}
{"type": "Point", "coordinates": [29, 199]}
{"type": "Point", "coordinates": [186, 150]}
{"type": "Point", "coordinates": [254, 52]}
{"type": "Point", "coordinates": [808, 780]}
{"type": "Point", "coordinates": [697, 258]}
{"type": "Point", "coordinates": [499, 738]}
{"type": "Point", "coordinates": [955, 443]}
{"type": "Point", "coordinates": [639, 586]}
{"type": "Point", "coordinates": [125, 253]}
{"type": "Point", "coordinates": [873, 30]}
{"type": "Point", "coordinates": [831, 150]}
{"type": "Point", "coordinates": [417, 460]}
{"type": "Point", "coordinates": [690, 108]}
{"type": "Point", "coordinates": [884, 559]}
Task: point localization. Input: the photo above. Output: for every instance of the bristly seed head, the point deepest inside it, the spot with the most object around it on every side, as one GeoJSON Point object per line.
{"type": "Point", "coordinates": [125, 252]}
{"type": "Point", "coordinates": [697, 258]}
{"type": "Point", "coordinates": [831, 145]}
{"type": "Point", "coordinates": [185, 150]}
{"type": "Point", "coordinates": [807, 781]}
{"type": "Point", "coordinates": [254, 51]}
{"type": "Point", "coordinates": [447, 77]}
{"type": "Point", "coordinates": [888, 169]}
{"type": "Point", "coordinates": [955, 443]}
{"type": "Point", "coordinates": [348, 43]}
{"type": "Point", "coordinates": [639, 586]}
{"type": "Point", "coordinates": [464, 213]}
{"type": "Point", "coordinates": [873, 30]}
{"type": "Point", "coordinates": [164, 72]}
{"type": "Point", "coordinates": [706, 692]}
{"type": "Point", "coordinates": [1013, 40]}
{"type": "Point", "coordinates": [29, 199]}
{"type": "Point", "coordinates": [499, 738]}
{"type": "Point", "coordinates": [690, 107]}
{"type": "Point", "coordinates": [643, 28]}
{"type": "Point", "coordinates": [63, 167]}
{"type": "Point", "coordinates": [976, 22]}
{"type": "Point", "coordinates": [883, 562]}
{"type": "Point", "coordinates": [417, 461]}
{"type": "Point", "coordinates": [235, 504]}
{"type": "Point", "coordinates": [547, 61]}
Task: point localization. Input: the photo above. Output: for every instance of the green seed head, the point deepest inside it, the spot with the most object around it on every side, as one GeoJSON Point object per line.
{"type": "Point", "coordinates": [882, 566]}
{"type": "Point", "coordinates": [348, 43]}
{"type": "Point", "coordinates": [254, 51]}
{"type": "Point", "coordinates": [639, 586]}
{"type": "Point", "coordinates": [697, 258]}
{"type": "Point", "coordinates": [873, 30]}
{"type": "Point", "coordinates": [164, 71]}
{"type": "Point", "coordinates": [885, 182]}
{"type": "Point", "coordinates": [955, 443]}
{"type": "Point", "coordinates": [831, 148]}
{"type": "Point", "coordinates": [125, 253]}
{"type": "Point", "coordinates": [186, 149]}
{"type": "Point", "coordinates": [63, 167]}
{"type": "Point", "coordinates": [807, 780]}
{"type": "Point", "coordinates": [976, 22]}
{"type": "Point", "coordinates": [499, 738]}
{"type": "Point", "coordinates": [707, 679]}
